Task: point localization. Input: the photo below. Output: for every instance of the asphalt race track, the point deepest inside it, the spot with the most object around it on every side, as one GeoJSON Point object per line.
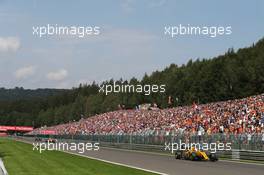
{"type": "Point", "coordinates": [169, 165]}
{"type": "Point", "coordinates": [165, 164]}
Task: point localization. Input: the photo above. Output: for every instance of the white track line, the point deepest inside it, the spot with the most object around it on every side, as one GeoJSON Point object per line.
{"type": "Point", "coordinates": [2, 166]}
{"type": "Point", "coordinates": [115, 163]}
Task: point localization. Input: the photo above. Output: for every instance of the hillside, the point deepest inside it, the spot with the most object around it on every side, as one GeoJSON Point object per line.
{"type": "Point", "coordinates": [19, 93]}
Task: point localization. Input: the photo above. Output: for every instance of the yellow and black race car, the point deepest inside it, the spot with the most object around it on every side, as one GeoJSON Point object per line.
{"type": "Point", "coordinates": [193, 154]}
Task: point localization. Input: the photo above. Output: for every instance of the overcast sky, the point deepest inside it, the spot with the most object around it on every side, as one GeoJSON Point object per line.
{"type": "Point", "coordinates": [131, 40]}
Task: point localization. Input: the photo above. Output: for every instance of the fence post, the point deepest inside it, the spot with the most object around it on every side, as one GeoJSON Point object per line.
{"type": "Point", "coordinates": [235, 154]}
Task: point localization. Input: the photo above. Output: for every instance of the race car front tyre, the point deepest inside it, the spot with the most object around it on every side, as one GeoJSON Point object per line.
{"type": "Point", "coordinates": [213, 157]}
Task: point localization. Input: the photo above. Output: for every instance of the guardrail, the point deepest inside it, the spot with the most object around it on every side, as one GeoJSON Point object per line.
{"type": "Point", "coordinates": [247, 155]}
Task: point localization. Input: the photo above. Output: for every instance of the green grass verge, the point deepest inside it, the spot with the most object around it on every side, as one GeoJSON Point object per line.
{"type": "Point", "coordinates": [20, 159]}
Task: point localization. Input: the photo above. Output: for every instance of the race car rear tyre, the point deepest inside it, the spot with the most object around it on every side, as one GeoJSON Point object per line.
{"type": "Point", "coordinates": [213, 157]}
{"type": "Point", "coordinates": [177, 155]}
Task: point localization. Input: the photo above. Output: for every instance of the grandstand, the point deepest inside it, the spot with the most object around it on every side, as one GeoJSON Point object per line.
{"type": "Point", "coordinates": [230, 117]}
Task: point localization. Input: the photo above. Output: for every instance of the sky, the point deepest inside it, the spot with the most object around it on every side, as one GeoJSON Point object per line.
{"type": "Point", "coordinates": [131, 40]}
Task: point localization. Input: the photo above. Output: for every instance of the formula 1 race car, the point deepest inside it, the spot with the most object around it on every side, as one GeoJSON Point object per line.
{"type": "Point", "coordinates": [50, 140]}
{"type": "Point", "coordinates": [193, 154]}
{"type": "Point", "coordinates": [38, 139]}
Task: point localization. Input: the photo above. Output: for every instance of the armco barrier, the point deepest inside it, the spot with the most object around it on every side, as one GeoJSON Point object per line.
{"type": "Point", "coordinates": [249, 155]}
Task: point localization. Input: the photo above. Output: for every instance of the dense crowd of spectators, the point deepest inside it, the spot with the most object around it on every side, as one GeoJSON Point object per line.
{"type": "Point", "coordinates": [232, 117]}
